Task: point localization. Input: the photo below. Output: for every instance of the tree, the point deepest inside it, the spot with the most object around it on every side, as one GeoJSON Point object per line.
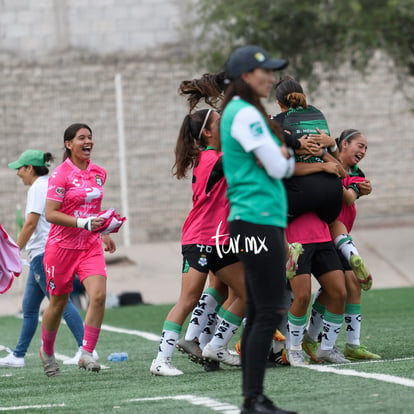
{"type": "Point", "coordinates": [325, 32]}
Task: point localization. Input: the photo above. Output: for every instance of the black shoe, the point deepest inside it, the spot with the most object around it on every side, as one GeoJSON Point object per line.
{"type": "Point", "coordinates": [276, 359]}
{"type": "Point", "coordinates": [262, 405]}
{"type": "Point", "coordinates": [210, 366]}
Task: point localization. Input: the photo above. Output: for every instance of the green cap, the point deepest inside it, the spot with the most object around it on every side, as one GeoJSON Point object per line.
{"type": "Point", "coordinates": [29, 157]}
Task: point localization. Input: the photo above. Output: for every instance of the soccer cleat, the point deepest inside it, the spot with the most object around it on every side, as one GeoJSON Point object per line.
{"type": "Point", "coordinates": [164, 368]}
{"type": "Point", "coordinates": [331, 355]}
{"type": "Point", "coordinates": [361, 272]}
{"type": "Point", "coordinates": [12, 361]}
{"type": "Point", "coordinates": [75, 359]}
{"type": "Point", "coordinates": [295, 250]}
{"type": "Point", "coordinates": [356, 352]}
{"type": "Point", "coordinates": [278, 358]}
{"type": "Point", "coordinates": [310, 347]}
{"type": "Point", "coordinates": [50, 365]}
{"type": "Point", "coordinates": [211, 366]}
{"type": "Point", "coordinates": [296, 358]}
{"type": "Point", "coordinates": [221, 354]}
{"type": "Point", "coordinates": [278, 336]}
{"type": "Point", "coordinates": [88, 363]}
{"type": "Point", "coordinates": [237, 347]}
{"type": "Point", "coordinates": [263, 405]}
{"type": "Point", "coordinates": [192, 349]}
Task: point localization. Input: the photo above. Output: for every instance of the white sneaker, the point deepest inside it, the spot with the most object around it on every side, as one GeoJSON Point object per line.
{"type": "Point", "coordinates": [296, 358]}
{"type": "Point", "coordinates": [221, 354]}
{"type": "Point", "coordinates": [12, 361]}
{"type": "Point", "coordinates": [164, 368]}
{"type": "Point", "coordinates": [75, 359]}
{"type": "Point", "coordinates": [334, 356]}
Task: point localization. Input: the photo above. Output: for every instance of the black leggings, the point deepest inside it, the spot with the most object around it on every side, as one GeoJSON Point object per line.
{"type": "Point", "coordinates": [265, 279]}
{"type": "Point", "coordinates": [319, 192]}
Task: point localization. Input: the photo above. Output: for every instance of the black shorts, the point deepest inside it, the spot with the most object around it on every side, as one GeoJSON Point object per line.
{"type": "Point", "coordinates": [320, 193]}
{"type": "Point", "coordinates": [318, 259]}
{"type": "Point", "coordinates": [205, 258]}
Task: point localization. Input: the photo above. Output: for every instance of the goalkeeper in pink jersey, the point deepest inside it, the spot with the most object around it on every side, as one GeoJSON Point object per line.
{"type": "Point", "coordinates": [73, 203]}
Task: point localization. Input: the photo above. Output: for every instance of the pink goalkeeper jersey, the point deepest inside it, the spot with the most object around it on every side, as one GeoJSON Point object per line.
{"type": "Point", "coordinates": [210, 205]}
{"type": "Point", "coordinates": [80, 192]}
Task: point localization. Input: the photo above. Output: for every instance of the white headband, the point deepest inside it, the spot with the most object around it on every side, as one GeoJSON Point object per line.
{"type": "Point", "coordinates": [204, 124]}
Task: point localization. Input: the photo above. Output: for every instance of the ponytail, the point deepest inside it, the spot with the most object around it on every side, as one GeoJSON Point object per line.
{"type": "Point", "coordinates": [44, 170]}
{"type": "Point", "coordinates": [190, 142]}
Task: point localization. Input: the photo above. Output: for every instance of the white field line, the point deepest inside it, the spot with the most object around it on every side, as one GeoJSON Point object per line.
{"type": "Point", "coordinates": [370, 375]}
{"type": "Point", "coordinates": [146, 335]}
{"type": "Point", "coordinates": [331, 369]}
{"type": "Point", "coordinates": [375, 361]}
{"type": "Point", "coordinates": [214, 405]}
{"type": "Point", "coordinates": [61, 357]}
{"type": "Point", "coordinates": [31, 407]}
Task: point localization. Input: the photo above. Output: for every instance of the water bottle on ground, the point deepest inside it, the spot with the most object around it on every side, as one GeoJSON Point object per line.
{"type": "Point", "coordinates": [118, 357]}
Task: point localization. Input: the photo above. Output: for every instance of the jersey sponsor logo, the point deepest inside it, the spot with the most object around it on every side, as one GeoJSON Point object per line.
{"type": "Point", "coordinates": [92, 194]}
{"type": "Point", "coordinates": [256, 129]}
{"type": "Point", "coordinates": [250, 244]}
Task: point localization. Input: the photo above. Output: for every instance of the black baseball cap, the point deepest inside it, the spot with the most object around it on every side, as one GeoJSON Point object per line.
{"type": "Point", "coordinates": [247, 58]}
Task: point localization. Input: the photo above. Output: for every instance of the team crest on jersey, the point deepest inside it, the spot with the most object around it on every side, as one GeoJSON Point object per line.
{"type": "Point", "coordinates": [52, 284]}
{"type": "Point", "coordinates": [98, 180]}
{"type": "Point", "coordinates": [202, 261]}
{"type": "Point", "coordinates": [60, 191]}
{"type": "Point", "coordinates": [256, 129]}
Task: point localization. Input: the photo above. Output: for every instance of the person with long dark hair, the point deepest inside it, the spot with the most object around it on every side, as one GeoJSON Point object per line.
{"type": "Point", "coordinates": [255, 162]}
{"type": "Point", "coordinates": [352, 145]}
{"type": "Point", "coordinates": [74, 245]}
{"type": "Point", "coordinates": [203, 240]}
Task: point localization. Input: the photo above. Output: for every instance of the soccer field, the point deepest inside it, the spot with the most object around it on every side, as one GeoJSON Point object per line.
{"type": "Point", "coordinates": [384, 386]}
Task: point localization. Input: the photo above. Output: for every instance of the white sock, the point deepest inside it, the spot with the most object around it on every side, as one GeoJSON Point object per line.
{"type": "Point", "coordinates": [169, 336]}
{"type": "Point", "coordinates": [316, 320]}
{"type": "Point", "coordinates": [331, 326]}
{"type": "Point", "coordinates": [346, 246]}
{"type": "Point", "coordinates": [287, 336]}
{"type": "Point", "coordinates": [226, 330]}
{"type": "Point", "coordinates": [353, 323]}
{"type": "Point", "coordinates": [208, 331]}
{"type": "Point", "coordinates": [199, 318]}
{"type": "Point", "coordinates": [296, 331]}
